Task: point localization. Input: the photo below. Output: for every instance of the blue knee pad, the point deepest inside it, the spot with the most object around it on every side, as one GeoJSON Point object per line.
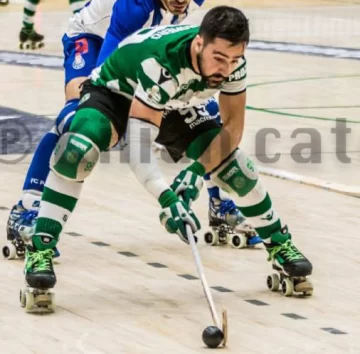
{"type": "Point", "coordinates": [39, 167]}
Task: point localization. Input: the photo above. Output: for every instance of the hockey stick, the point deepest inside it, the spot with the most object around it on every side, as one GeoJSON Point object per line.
{"type": "Point", "coordinates": [206, 287]}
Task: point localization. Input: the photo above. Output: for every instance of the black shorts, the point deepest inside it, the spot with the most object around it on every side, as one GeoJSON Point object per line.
{"type": "Point", "coordinates": [115, 107]}
{"type": "Point", "coordinates": [179, 128]}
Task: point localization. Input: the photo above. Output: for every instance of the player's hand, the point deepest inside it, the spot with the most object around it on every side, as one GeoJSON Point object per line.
{"type": "Point", "coordinates": [188, 183]}
{"type": "Point", "coordinates": [176, 216]}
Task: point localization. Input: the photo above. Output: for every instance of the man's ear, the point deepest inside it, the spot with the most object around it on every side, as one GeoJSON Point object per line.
{"type": "Point", "coordinates": [199, 43]}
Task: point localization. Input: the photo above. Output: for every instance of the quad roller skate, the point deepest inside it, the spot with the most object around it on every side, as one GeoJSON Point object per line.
{"type": "Point", "coordinates": [20, 228]}
{"type": "Point", "coordinates": [40, 278]}
{"type": "Point", "coordinates": [229, 226]}
{"type": "Point", "coordinates": [291, 265]}
{"type": "Point", "coordinates": [29, 39]}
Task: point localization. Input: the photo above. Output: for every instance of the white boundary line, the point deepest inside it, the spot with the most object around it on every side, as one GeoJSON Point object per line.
{"type": "Point", "coordinates": [349, 190]}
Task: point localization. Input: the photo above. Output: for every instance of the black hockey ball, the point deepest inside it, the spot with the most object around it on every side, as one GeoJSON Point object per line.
{"type": "Point", "coordinates": [212, 336]}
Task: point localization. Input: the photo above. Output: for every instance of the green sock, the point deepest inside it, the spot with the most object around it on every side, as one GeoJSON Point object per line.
{"type": "Point", "coordinates": [58, 201]}
{"type": "Point", "coordinates": [263, 217]}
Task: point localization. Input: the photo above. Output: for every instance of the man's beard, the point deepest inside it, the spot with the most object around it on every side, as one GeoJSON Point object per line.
{"type": "Point", "coordinates": [209, 79]}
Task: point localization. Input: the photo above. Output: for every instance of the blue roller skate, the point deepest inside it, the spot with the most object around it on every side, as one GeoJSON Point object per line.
{"type": "Point", "coordinates": [229, 225]}
{"type": "Point", "coordinates": [20, 228]}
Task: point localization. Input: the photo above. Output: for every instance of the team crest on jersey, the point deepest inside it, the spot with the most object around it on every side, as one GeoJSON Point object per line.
{"type": "Point", "coordinates": [78, 62]}
{"type": "Point", "coordinates": [154, 94]}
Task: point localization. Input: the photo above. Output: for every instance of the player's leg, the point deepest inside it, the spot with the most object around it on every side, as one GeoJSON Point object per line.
{"type": "Point", "coordinates": [72, 161]}
{"type": "Point", "coordinates": [23, 215]}
{"type": "Point", "coordinates": [76, 5]}
{"type": "Point", "coordinates": [189, 131]}
{"type": "Point", "coordinates": [239, 176]}
{"type": "Point", "coordinates": [29, 38]}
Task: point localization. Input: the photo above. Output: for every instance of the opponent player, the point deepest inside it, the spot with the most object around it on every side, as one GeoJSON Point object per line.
{"type": "Point", "coordinates": [154, 70]}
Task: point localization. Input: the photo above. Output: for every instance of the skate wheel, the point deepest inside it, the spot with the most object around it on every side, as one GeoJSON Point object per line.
{"type": "Point", "coordinates": [9, 251]}
{"type": "Point", "coordinates": [29, 301]}
{"type": "Point", "coordinates": [210, 238]}
{"type": "Point", "coordinates": [41, 45]}
{"type": "Point", "coordinates": [22, 298]}
{"type": "Point", "coordinates": [287, 287]}
{"type": "Point", "coordinates": [52, 305]}
{"type": "Point", "coordinates": [273, 282]}
{"type": "Point", "coordinates": [239, 241]}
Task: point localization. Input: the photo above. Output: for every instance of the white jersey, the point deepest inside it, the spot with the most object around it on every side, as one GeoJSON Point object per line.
{"type": "Point", "coordinates": [94, 18]}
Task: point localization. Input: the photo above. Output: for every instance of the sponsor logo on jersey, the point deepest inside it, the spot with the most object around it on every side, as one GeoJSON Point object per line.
{"type": "Point", "coordinates": [237, 75]}
{"type": "Point", "coordinates": [171, 30]}
{"type": "Point", "coordinates": [201, 120]}
{"type": "Point", "coordinates": [78, 62]}
{"type": "Point", "coordinates": [186, 86]}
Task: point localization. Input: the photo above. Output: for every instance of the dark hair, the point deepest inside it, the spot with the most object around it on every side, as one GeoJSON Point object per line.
{"type": "Point", "coordinates": [227, 23]}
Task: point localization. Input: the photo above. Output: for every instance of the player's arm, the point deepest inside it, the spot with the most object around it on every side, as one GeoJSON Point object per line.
{"type": "Point", "coordinates": [232, 112]}
{"type": "Point", "coordinates": [232, 102]}
{"type": "Point", "coordinates": [127, 17]}
{"type": "Point", "coordinates": [153, 91]}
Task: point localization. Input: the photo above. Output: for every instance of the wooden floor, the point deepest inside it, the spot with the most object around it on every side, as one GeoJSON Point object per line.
{"type": "Point", "coordinates": [129, 295]}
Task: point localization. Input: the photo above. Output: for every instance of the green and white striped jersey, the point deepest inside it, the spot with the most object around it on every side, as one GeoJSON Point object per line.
{"type": "Point", "coordinates": [154, 65]}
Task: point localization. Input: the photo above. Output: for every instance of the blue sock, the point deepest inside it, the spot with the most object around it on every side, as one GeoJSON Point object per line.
{"type": "Point", "coordinates": [39, 167]}
{"type": "Point", "coordinates": [213, 191]}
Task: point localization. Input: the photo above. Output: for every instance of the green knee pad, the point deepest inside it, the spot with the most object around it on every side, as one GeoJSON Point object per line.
{"type": "Point", "coordinates": [78, 151]}
{"type": "Point", "coordinates": [94, 125]}
{"type": "Point", "coordinates": [237, 175]}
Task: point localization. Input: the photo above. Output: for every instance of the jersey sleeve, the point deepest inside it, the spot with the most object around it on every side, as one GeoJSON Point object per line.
{"type": "Point", "coordinates": [155, 85]}
{"type": "Point", "coordinates": [127, 17]}
{"type": "Point", "coordinates": [236, 82]}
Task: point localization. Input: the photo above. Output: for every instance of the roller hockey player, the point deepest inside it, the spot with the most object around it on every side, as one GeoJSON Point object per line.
{"type": "Point", "coordinates": [82, 44]}
{"type": "Point", "coordinates": [152, 71]}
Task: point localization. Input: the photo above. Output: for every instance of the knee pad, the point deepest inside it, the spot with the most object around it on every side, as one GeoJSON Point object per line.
{"type": "Point", "coordinates": [237, 174]}
{"type": "Point", "coordinates": [65, 117]}
{"type": "Point", "coordinates": [74, 157]}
